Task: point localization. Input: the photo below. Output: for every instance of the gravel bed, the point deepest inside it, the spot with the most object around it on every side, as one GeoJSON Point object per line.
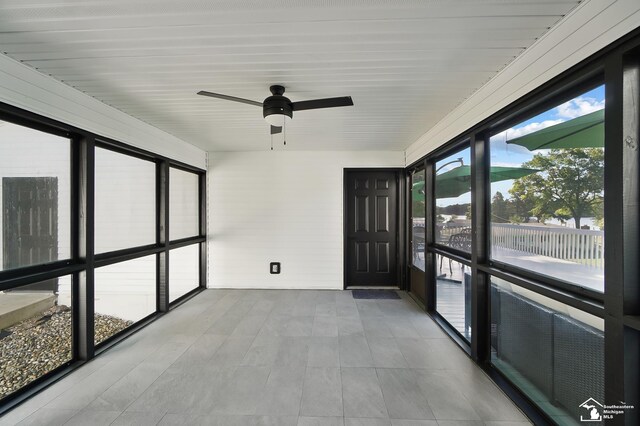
{"type": "Point", "coordinates": [38, 345]}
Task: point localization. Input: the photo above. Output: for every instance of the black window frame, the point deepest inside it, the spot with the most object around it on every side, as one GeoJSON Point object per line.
{"type": "Point", "coordinates": [83, 261]}
{"type": "Point", "coordinates": [448, 150]}
{"type": "Point", "coordinates": [551, 101]}
{"type": "Point", "coordinates": [617, 66]}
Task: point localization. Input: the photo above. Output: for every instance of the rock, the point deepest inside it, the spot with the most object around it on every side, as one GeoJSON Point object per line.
{"type": "Point", "coordinates": [36, 346]}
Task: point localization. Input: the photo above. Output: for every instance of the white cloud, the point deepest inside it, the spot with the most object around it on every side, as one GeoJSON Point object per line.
{"type": "Point", "coordinates": [566, 111]}
{"type": "Point", "coordinates": [578, 107]}
{"type": "Point", "coordinates": [530, 128]}
{"type": "Point", "coordinates": [505, 164]}
{"type": "Point", "coordinates": [512, 133]}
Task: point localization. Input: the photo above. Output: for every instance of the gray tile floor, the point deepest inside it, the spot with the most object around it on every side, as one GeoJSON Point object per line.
{"type": "Point", "coordinates": [278, 357]}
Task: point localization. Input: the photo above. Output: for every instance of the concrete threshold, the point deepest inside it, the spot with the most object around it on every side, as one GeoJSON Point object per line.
{"type": "Point", "coordinates": [17, 307]}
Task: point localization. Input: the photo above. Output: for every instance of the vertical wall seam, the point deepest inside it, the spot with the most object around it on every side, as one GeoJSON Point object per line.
{"type": "Point", "coordinates": [208, 219]}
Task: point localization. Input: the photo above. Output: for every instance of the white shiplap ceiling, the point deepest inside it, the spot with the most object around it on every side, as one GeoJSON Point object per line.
{"type": "Point", "coordinates": [405, 63]}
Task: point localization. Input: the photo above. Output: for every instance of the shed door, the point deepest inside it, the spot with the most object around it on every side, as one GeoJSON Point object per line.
{"type": "Point", "coordinates": [30, 224]}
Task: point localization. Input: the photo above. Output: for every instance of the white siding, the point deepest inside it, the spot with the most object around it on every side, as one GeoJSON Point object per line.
{"type": "Point", "coordinates": [280, 206]}
{"type": "Point", "coordinates": [24, 87]}
{"type": "Point", "coordinates": [36, 154]}
{"type": "Point", "coordinates": [590, 27]}
{"type": "Point", "coordinates": [125, 196]}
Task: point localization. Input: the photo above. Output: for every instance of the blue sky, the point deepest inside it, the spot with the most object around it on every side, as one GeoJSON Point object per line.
{"type": "Point", "coordinates": [511, 155]}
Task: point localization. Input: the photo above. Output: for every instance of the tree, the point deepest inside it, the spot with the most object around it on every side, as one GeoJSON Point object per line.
{"type": "Point", "coordinates": [598, 213]}
{"type": "Point", "coordinates": [525, 203]}
{"type": "Point", "coordinates": [417, 196]}
{"type": "Point", "coordinates": [454, 209]}
{"type": "Point", "coordinates": [570, 184]}
{"type": "Point", "coordinates": [499, 208]}
{"type": "Point", "coordinates": [417, 208]}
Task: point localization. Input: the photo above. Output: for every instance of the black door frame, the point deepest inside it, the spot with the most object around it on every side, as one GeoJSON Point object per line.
{"type": "Point", "coordinates": [411, 270]}
{"type": "Point", "coordinates": [400, 173]}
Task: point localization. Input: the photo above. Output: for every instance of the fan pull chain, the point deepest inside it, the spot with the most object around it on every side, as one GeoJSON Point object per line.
{"type": "Point", "coordinates": [284, 131]}
{"type": "Point", "coordinates": [272, 142]}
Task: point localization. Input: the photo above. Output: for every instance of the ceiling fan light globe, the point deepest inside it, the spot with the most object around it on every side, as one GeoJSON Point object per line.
{"type": "Point", "coordinates": [277, 119]}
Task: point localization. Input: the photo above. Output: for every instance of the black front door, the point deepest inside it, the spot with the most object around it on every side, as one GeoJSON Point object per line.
{"type": "Point", "coordinates": [371, 228]}
{"type": "Point", "coordinates": [30, 224]}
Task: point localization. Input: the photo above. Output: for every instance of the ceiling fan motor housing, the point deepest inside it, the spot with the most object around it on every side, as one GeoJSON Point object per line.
{"type": "Point", "coordinates": [277, 104]}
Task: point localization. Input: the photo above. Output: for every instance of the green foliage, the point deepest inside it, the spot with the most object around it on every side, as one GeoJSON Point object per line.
{"type": "Point", "coordinates": [598, 212]}
{"type": "Point", "coordinates": [499, 208]}
{"type": "Point", "coordinates": [515, 219]}
{"type": "Point", "coordinates": [454, 209]}
{"type": "Point", "coordinates": [570, 185]}
{"type": "Point", "coordinates": [516, 209]}
{"type": "Point", "coordinates": [418, 199]}
{"type": "Point", "coordinates": [417, 208]}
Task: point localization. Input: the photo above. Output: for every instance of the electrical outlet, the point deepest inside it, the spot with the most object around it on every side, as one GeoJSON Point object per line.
{"type": "Point", "coordinates": [274, 267]}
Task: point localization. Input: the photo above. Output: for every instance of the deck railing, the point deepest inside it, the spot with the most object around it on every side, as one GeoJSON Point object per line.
{"type": "Point", "coordinates": [444, 233]}
{"type": "Point", "coordinates": [581, 246]}
{"type": "Point", "coordinates": [576, 245]}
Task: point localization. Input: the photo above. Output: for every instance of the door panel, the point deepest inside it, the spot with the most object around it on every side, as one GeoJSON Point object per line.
{"type": "Point", "coordinates": [30, 224]}
{"type": "Point", "coordinates": [382, 256]}
{"type": "Point", "coordinates": [362, 214]}
{"type": "Point", "coordinates": [382, 214]}
{"type": "Point", "coordinates": [371, 228]}
{"type": "Point", "coordinates": [382, 184]}
{"type": "Point", "coordinates": [362, 183]}
{"type": "Point", "coordinates": [418, 279]}
{"type": "Point", "coordinates": [362, 256]}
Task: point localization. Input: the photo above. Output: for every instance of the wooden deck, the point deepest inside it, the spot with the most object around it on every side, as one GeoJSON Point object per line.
{"type": "Point", "coordinates": [450, 279]}
{"type": "Point", "coordinates": [450, 302]}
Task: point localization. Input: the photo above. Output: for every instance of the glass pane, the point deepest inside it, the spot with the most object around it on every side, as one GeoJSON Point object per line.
{"type": "Point", "coordinates": [554, 353]}
{"type": "Point", "coordinates": [453, 201]}
{"type": "Point", "coordinates": [36, 338]}
{"type": "Point", "coordinates": [35, 204]}
{"type": "Point", "coordinates": [547, 192]}
{"type": "Point", "coordinates": [184, 270]}
{"type": "Point", "coordinates": [125, 201]}
{"type": "Point", "coordinates": [124, 293]}
{"type": "Point", "coordinates": [453, 294]}
{"type": "Point", "coordinates": [183, 204]}
{"type": "Point", "coordinates": [417, 220]}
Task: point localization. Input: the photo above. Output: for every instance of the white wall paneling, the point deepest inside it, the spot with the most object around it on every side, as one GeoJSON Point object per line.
{"type": "Point", "coordinates": [280, 206]}
{"type": "Point", "coordinates": [40, 155]}
{"type": "Point", "coordinates": [26, 88]}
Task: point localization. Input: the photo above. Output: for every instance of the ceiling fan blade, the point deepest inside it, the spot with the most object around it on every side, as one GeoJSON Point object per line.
{"type": "Point", "coordinates": [275, 130]}
{"type": "Point", "coordinates": [322, 103]}
{"type": "Point", "coordinates": [229, 98]}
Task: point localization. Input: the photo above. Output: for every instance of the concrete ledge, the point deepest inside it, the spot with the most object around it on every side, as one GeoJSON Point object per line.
{"type": "Point", "coordinates": [17, 307]}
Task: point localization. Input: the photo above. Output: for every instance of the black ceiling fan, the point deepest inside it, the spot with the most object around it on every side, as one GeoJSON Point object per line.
{"type": "Point", "coordinates": [276, 108]}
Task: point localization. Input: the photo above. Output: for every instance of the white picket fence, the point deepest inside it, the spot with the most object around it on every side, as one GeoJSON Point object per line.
{"type": "Point", "coordinates": [576, 245]}
{"type": "Point", "coordinates": [582, 246]}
